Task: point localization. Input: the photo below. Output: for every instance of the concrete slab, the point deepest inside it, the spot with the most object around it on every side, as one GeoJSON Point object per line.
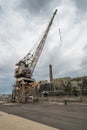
{"type": "Point", "coordinates": [11, 122]}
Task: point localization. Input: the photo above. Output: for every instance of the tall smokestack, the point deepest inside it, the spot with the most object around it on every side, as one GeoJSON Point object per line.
{"type": "Point", "coordinates": [50, 73]}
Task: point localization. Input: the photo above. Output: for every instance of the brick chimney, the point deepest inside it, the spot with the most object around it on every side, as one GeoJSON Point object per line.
{"type": "Point", "coordinates": [50, 73]}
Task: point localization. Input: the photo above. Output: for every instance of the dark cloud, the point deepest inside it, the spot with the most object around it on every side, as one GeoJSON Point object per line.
{"type": "Point", "coordinates": [34, 6]}
{"type": "Point", "coordinates": [39, 6]}
{"type": "Point", "coordinates": [81, 4]}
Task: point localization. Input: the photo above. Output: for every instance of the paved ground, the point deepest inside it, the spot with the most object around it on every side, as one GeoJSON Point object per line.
{"type": "Point", "coordinates": [11, 122]}
{"type": "Point", "coordinates": [70, 117]}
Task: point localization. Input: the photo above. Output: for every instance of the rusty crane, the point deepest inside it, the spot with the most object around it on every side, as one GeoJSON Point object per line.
{"type": "Point", "coordinates": [25, 85]}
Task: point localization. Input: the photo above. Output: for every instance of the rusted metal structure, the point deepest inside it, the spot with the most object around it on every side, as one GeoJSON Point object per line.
{"type": "Point", "coordinates": [25, 85]}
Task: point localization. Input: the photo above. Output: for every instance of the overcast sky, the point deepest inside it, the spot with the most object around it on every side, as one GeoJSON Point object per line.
{"type": "Point", "coordinates": [22, 24]}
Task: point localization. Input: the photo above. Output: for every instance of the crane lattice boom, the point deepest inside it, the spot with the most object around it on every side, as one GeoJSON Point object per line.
{"type": "Point", "coordinates": [27, 65]}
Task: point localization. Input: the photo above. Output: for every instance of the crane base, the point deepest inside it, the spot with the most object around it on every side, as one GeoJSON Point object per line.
{"type": "Point", "coordinates": [25, 90]}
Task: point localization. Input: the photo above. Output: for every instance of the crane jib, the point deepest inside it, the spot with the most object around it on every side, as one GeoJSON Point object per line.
{"type": "Point", "coordinates": [27, 65]}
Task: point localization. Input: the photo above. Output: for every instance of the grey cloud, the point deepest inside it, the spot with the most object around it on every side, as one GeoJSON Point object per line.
{"type": "Point", "coordinates": [34, 6]}
{"type": "Point", "coordinates": [59, 63]}
{"type": "Point", "coordinates": [81, 4]}
{"type": "Point", "coordinates": [1, 12]}
{"type": "Point", "coordinates": [84, 61]}
{"type": "Point", "coordinates": [38, 7]}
